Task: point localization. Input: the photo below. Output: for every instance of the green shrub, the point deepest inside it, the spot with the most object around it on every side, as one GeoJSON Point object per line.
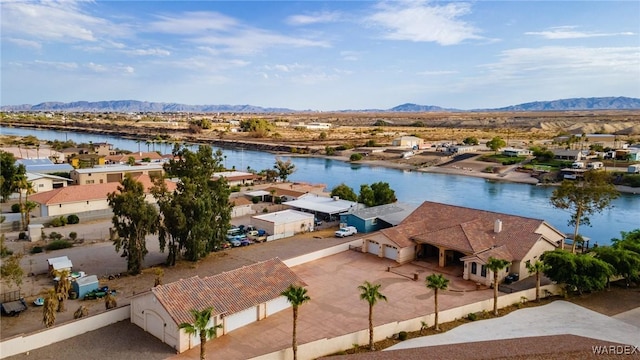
{"type": "Point", "coordinates": [60, 221]}
{"type": "Point", "coordinates": [55, 236]}
{"type": "Point", "coordinates": [58, 244]}
{"type": "Point", "coordinates": [73, 235]}
{"type": "Point", "coordinates": [255, 199]}
{"type": "Point", "coordinates": [402, 335]}
{"type": "Point", "coordinates": [277, 200]}
{"type": "Point", "coordinates": [329, 150]}
{"type": "Point", "coordinates": [36, 249]}
{"type": "Point", "coordinates": [15, 208]}
{"type": "Point", "coordinates": [235, 188]}
{"type": "Point", "coordinates": [344, 147]}
{"type": "Point", "coordinates": [472, 317]}
{"type": "Point", "coordinates": [73, 219]}
{"type": "Point", "coordinates": [355, 157]}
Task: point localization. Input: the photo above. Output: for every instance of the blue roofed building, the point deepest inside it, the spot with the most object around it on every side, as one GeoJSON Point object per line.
{"type": "Point", "coordinates": [44, 166]}
{"type": "Point", "coordinates": [377, 217]}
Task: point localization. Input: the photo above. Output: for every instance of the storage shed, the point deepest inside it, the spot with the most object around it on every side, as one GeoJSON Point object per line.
{"type": "Point", "coordinates": [84, 285]}
{"type": "Point", "coordinates": [284, 223]}
{"type": "Point", "coordinates": [59, 263]}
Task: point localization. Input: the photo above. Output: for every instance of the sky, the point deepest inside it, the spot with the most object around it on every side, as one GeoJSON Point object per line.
{"type": "Point", "coordinates": [319, 55]}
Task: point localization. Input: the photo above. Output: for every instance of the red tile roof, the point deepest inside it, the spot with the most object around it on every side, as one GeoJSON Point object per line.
{"type": "Point", "coordinates": [228, 292]}
{"type": "Point", "coordinates": [138, 156]}
{"type": "Point", "coordinates": [78, 193]}
{"type": "Point", "coordinates": [467, 230]}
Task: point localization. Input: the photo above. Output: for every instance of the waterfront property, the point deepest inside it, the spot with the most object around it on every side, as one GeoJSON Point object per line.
{"type": "Point", "coordinates": [465, 238]}
{"type": "Point", "coordinates": [113, 174]}
{"type": "Point", "coordinates": [239, 297]}
{"type": "Point", "coordinates": [376, 218]}
{"type": "Point", "coordinates": [284, 223]}
{"type": "Point", "coordinates": [46, 182]}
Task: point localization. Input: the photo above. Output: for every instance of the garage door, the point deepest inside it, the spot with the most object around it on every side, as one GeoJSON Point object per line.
{"type": "Point", "coordinates": [154, 324]}
{"type": "Point", "coordinates": [391, 252]}
{"type": "Point", "coordinates": [373, 247]}
{"type": "Point", "coordinates": [241, 319]}
{"type": "Point", "coordinates": [276, 305]}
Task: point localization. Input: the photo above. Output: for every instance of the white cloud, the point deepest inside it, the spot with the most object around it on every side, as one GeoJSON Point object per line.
{"type": "Point", "coordinates": [96, 67]}
{"type": "Point", "coordinates": [314, 18]}
{"type": "Point", "coordinates": [193, 23]}
{"type": "Point", "coordinates": [419, 21]}
{"type": "Point", "coordinates": [26, 43]}
{"type": "Point", "coordinates": [568, 32]}
{"type": "Point", "coordinates": [61, 21]}
{"type": "Point", "coordinates": [437, 72]}
{"type": "Point", "coordinates": [148, 52]}
{"type": "Point", "coordinates": [350, 55]}
{"type": "Point", "coordinates": [58, 65]}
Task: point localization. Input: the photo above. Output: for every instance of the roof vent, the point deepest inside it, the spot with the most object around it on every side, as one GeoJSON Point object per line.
{"type": "Point", "coordinates": [497, 226]}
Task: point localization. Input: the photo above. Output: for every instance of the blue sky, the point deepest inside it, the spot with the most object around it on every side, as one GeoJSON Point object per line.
{"type": "Point", "coordinates": [319, 55]}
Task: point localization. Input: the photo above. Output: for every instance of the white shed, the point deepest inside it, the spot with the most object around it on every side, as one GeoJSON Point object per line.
{"type": "Point", "coordinates": [59, 263]}
{"type": "Point", "coordinates": [284, 223]}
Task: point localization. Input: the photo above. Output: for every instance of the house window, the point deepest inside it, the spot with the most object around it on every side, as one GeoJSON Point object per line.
{"type": "Point", "coordinates": [474, 268]}
{"type": "Point", "coordinates": [40, 185]}
{"type": "Point", "coordinates": [90, 181]}
{"type": "Point", "coordinates": [483, 271]}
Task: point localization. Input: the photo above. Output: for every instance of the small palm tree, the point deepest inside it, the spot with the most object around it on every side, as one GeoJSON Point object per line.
{"type": "Point", "coordinates": [201, 328]}
{"type": "Point", "coordinates": [436, 282]}
{"type": "Point", "coordinates": [49, 308]}
{"type": "Point", "coordinates": [371, 293]}
{"type": "Point", "coordinates": [62, 288]}
{"type": "Point", "coordinates": [538, 267]}
{"type": "Point", "coordinates": [81, 312]}
{"type": "Point", "coordinates": [496, 265]}
{"type": "Point", "coordinates": [296, 295]}
{"type": "Point", "coordinates": [110, 301]}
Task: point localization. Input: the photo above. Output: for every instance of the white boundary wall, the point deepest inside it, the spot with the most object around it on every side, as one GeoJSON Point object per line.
{"type": "Point", "coordinates": [299, 260]}
{"type": "Point", "coordinates": [22, 343]}
{"type": "Point", "coordinates": [326, 346]}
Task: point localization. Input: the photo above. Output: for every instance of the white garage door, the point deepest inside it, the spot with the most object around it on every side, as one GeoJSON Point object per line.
{"type": "Point", "coordinates": [241, 319]}
{"type": "Point", "coordinates": [154, 324]}
{"type": "Point", "coordinates": [373, 247]}
{"type": "Point", "coordinates": [276, 305]}
{"type": "Point", "coordinates": [390, 252]}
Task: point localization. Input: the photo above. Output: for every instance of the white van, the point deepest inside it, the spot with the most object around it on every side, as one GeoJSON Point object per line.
{"type": "Point", "coordinates": [595, 165]}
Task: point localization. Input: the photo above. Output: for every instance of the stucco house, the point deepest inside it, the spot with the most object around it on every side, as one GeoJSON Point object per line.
{"type": "Point", "coordinates": [407, 142]}
{"type": "Point", "coordinates": [138, 157]}
{"type": "Point", "coordinates": [239, 297]}
{"type": "Point", "coordinates": [464, 238]}
{"type": "Point", "coordinates": [514, 152]}
{"type": "Point", "coordinates": [46, 182]}
{"type": "Point", "coordinates": [113, 174]}
{"type": "Point", "coordinates": [236, 178]}
{"type": "Point", "coordinates": [241, 206]}
{"type": "Point", "coordinates": [81, 198]}
{"type": "Point", "coordinates": [284, 223]}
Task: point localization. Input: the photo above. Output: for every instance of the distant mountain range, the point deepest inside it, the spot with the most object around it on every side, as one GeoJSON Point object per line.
{"type": "Point", "coordinates": [134, 106]}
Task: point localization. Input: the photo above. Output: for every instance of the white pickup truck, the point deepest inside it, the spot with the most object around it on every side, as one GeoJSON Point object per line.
{"type": "Point", "coordinates": [346, 231]}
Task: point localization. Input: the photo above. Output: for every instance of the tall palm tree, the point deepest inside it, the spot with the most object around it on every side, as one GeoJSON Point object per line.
{"type": "Point", "coordinates": [496, 265]}
{"type": "Point", "coordinates": [371, 293]}
{"type": "Point", "coordinates": [62, 288]}
{"type": "Point", "coordinates": [296, 295]}
{"type": "Point", "coordinates": [436, 282]}
{"type": "Point", "coordinates": [49, 308]}
{"type": "Point", "coordinates": [201, 328]}
{"type": "Point", "coordinates": [538, 267]}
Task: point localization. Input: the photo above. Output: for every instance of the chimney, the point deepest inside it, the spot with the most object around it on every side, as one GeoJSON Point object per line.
{"type": "Point", "coordinates": [497, 226]}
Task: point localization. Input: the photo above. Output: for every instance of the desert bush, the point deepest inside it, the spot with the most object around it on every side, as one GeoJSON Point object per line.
{"type": "Point", "coordinates": [472, 317]}
{"type": "Point", "coordinates": [255, 199]}
{"type": "Point", "coordinates": [344, 147]}
{"type": "Point", "coordinates": [355, 157]}
{"type": "Point", "coordinates": [15, 208]}
{"type": "Point", "coordinates": [402, 335]}
{"type": "Point", "coordinates": [55, 236]}
{"type": "Point", "coordinates": [82, 311]}
{"type": "Point", "coordinates": [73, 235]}
{"type": "Point", "coordinates": [36, 250]}
{"type": "Point", "coordinates": [58, 244]}
{"type": "Point", "coordinates": [73, 219]}
{"type": "Point", "coordinates": [329, 150]}
{"type": "Point", "coordinates": [235, 188]}
{"type": "Point", "coordinates": [22, 235]}
{"type": "Point", "coordinates": [59, 221]}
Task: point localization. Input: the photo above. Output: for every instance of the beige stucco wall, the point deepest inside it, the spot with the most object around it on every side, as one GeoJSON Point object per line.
{"type": "Point", "coordinates": [73, 208]}
{"type": "Point", "coordinates": [147, 303]}
{"type": "Point", "coordinates": [534, 254]}
{"type": "Point", "coordinates": [242, 210]}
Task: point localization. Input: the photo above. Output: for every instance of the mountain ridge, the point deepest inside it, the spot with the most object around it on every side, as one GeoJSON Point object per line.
{"type": "Point", "coordinates": [593, 103]}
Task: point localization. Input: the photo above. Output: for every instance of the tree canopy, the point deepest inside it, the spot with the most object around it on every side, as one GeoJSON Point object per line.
{"type": "Point", "coordinates": [580, 272]}
{"type": "Point", "coordinates": [284, 168]}
{"type": "Point", "coordinates": [195, 217]}
{"type": "Point", "coordinates": [496, 143]}
{"type": "Point", "coordinates": [584, 198]}
{"type": "Point", "coordinates": [9, 173]}
{"type": "Point", "coordinates": [343, 191]}
{"type": "Point", "coordinates": [471, 140]}
{"type": "Point", "coordinates": [201, 328]}
{"type": "Point", "coordinates": [378, 193]}
{"type": "Point", "coordinates": [133, 219]}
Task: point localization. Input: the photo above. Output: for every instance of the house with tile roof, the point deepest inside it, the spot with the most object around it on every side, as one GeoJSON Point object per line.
{"type": "Point", "coordinates": [113, 173]}
{"type": "Point", "coordinates": [138, 157]}
{"type": "Point", "coordinates": [239, 297]}
{"type": "Point", "coordinates": [46, 182]}
{"type": "Point", "coordinates": [82, 198]}
{"type": "Point", "coordinates": [463, 239]}
{"type": "Point", "coordinates": [236, 178]}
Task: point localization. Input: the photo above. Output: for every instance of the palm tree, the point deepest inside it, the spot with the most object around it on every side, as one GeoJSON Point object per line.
{"type": "Point", "coordinates": [537, 267]}
{"type": "Point", "coordinates": [436, 282]}
{"type": "Point", "coordinates": [201, 328]}
{"type": "Point", "coordinates": [371, 293]}
{"type": "Point", "coordinates": [296, 295]}
{"type": "Point", "coordinates": [110, 301]}
{"type": "Point", "coordinates": [49, 308]}
{"type": "Point", "coordinates": [496, 265]}
{"type": "Point", "coordinates": [62, 288]}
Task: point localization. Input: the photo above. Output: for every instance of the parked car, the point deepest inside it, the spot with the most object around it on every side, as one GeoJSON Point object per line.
{"type": "Point", "coordinates": [346, 231]}
{"type": "Point", "coordinates": [245, 242]}
{"type": "Point", "coordinates": [318, 222]}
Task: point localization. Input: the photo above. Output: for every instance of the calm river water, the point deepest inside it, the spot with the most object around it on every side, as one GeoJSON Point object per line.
{"type": "Point", "coordinates": [410, 187]}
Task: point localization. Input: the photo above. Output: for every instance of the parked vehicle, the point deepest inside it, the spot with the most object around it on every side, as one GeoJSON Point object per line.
{"type": "Point", "coordinates": [317, 221]}
{"type": "Point", "coordinates": [595, 165]}
{"type": "Point", "coordinates": [577, 165]}
{"type": "Point", "coordinates": [634, 169]}
{"type": "Point", "coordinates": [346, 231]}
